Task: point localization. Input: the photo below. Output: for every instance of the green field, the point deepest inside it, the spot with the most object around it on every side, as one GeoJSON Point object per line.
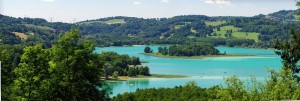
{"type": "Point", "coordinates": [39, 27]}
{"type": "Point", "coordinates": [178, 26]}
{"type": "Point", "coordinates": [236, 33]}
{"type": "Point", "coordinates": [115, 21]}
{"type": "Point", "coordinates": [23, 36]}
{"type": "Point", "coordinates": [109, 22]}
{"type": "Point", "coordinates": [246, 35]}
{"type": "Point", "coordinates": [194, 31]}
{"type": "Point", "coordinates": [91, 22]}
{"type": "Point", "coordinates": [214, 23]}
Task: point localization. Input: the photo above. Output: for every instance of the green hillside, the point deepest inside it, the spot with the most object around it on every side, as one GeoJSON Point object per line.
{"type": "Point", "coordinates": [235, 33]}
{"type": "Point", "coordinates": [214, 23]}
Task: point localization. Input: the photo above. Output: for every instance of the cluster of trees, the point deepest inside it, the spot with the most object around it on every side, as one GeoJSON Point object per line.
{"type": "Point", "coordinates": [70, 70]}
{"type": "Point", "coordinates": [123, 65]}
{"type": "Point", "coordinates": [240, 42]}
{"type": "Point", "coordinates": [37, 31]}
{"type": "Point", "coordinates": [197, 49]}
{"type": "Point", "coordinates": [138, 70]}
{"type": "Point", "coordinates": [9, 38]}
{"type": "Point", "coordinates": [228, 33]}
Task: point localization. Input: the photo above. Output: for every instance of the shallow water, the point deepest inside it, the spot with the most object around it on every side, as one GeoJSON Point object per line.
{"type": "Point", "coordinates": [206, 72]}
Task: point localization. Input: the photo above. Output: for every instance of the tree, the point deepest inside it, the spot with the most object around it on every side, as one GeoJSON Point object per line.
{"type": "Point", "coordinates": [289, 50]}
{"type": "Point", "coordinates": [135, 61]}
{"type": "Point", "coordinates": [143, 70]}
{"type": "Point", "coordinates": [106, 67]}
{"type": "Point", "coordinates": [160, 49]}
{"type": "Point", "coordinates": [218, 29]}
{"type": "Point", "coordinates": [148, 50]}
{"type": "Point", "coordinates": [32, 74]}
{"type": "Point", "coordinates": [215, 34]}
{"type": "Point", "coordinates": [9, 38]}
{"type": "Point", "coordinates": [132, 71]}
{"type": "Point", "coordinates": [115, 74]}
{"type": "Point", "coordinates": [10, 58]}
{"type": "Point", "coordinates": [76, 70]}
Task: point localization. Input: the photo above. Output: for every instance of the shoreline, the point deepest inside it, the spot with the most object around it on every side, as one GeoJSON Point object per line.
{"type": "Point", "coordinates": [177, 44]}
{"type": "Point", "coordinates": [126, 78]}
{"type": "Point", "coordinates": [196, 57]}
{"type": "Point", "coordinates": [247, 47]}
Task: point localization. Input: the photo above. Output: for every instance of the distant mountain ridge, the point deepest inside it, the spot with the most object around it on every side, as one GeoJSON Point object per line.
{"type": "Point", "coordinates": [284, 15]}
{"type": "Point", "coordinates": [248, 31]}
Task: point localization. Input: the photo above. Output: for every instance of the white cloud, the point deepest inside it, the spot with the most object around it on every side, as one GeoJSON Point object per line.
{"type": "Point", "coordinates": [165, 1]}
{"type": "Point", "coordinates": [264, 8]}
{"type": "Point", "coordinates": [48, 0]}
{"type": "Point", "coordinates": [136, 3]}
{"type": "Point", "coordinates": [209, 1]}
{"type": "Point", "coordinates": [217, 1]}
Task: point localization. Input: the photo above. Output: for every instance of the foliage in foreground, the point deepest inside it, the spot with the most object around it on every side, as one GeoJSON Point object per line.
{"type": "Point", "coordinates": [278, 87]}
{"type": "Point", "coordinates": [68, 71]}
{"type": "Point", "coordinates": [179, 93]}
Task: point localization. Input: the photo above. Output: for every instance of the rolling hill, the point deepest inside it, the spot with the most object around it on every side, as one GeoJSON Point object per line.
{"type": "Point", "coordinates": [260, 30]}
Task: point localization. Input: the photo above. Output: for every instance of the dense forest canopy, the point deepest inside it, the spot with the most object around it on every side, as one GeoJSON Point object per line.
{"type": "Point", "coordinates": [256, 31]}
{"type": "Point", "coordinates": [197, 49]}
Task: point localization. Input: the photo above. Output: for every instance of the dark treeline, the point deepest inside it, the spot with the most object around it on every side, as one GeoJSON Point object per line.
{"type": "Point", "coordinates": [176, 30]}
{"type": "Point", "coordinates": [197, 49]}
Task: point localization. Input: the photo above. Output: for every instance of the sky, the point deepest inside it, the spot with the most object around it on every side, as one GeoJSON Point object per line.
{"type": "Point", "coordinates": [80, 10]}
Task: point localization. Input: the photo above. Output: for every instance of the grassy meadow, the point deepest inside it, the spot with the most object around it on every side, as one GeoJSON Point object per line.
{"type": "Point", "coordinates": [236, 33]}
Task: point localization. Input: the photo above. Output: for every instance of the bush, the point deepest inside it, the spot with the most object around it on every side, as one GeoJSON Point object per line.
{"type": "Point", "coordinates": [148, 50]}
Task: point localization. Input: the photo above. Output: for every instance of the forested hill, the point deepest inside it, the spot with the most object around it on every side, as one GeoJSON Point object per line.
{"type": "Point", "coordinates": [256, 31]}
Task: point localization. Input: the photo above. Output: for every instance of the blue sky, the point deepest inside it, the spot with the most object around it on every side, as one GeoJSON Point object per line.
{"type": "Point", "coordinates": [67, 10]}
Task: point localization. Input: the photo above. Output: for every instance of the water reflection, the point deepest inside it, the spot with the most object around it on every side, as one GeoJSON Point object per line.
{"type": "Point", "coordinates": [206, 72]}
{"type": "Point", "coordinates": [129, 85]}
{"type": "Point", "coordinates": [140, 83]}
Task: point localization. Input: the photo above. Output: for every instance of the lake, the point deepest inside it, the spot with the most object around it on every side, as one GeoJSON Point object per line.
{"type": "Point", "coordinates": [206, 72]}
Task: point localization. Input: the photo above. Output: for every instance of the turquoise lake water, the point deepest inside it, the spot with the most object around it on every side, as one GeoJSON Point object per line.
{"type": "Point", "coordinates": [206, 72]}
